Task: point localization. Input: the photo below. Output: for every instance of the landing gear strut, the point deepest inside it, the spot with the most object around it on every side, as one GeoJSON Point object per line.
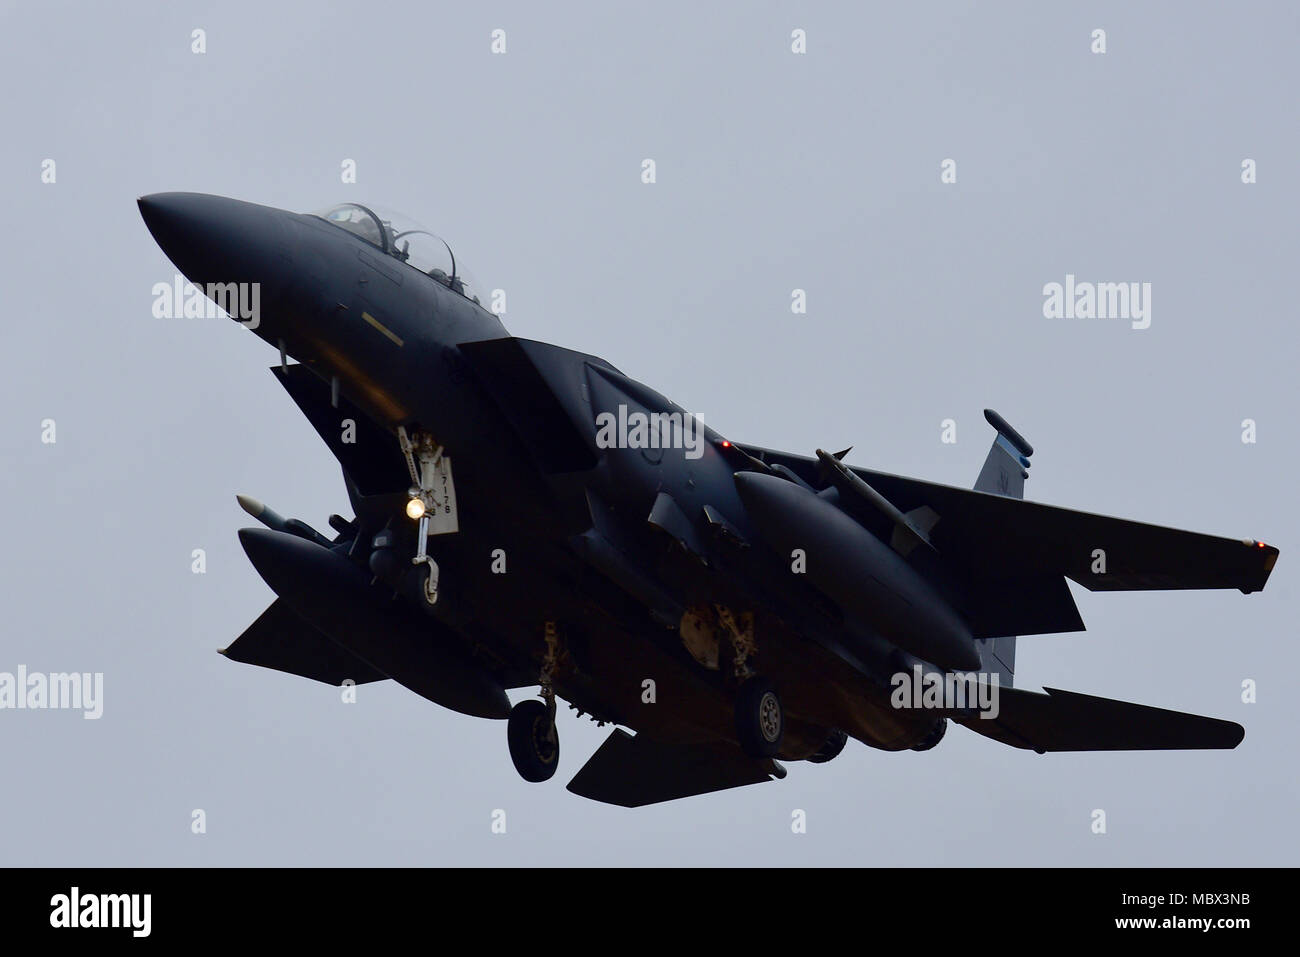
{"type": "Point", "coordinates": [432, 499]}
{"type": "Point", "coordinates": [530, 731]}
{"type": "Point", "coordinates": [741, 636]}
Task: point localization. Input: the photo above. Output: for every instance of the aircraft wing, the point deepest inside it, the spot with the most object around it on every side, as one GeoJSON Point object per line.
{"type": "Point", "coordinates": [1068, 721]}
{"type": "Point", "coordinates": [1005, 538]}
{"type": "Point", "coordinates": [636, 771]}
{"type": "Point", "coordinates": [281, 640]}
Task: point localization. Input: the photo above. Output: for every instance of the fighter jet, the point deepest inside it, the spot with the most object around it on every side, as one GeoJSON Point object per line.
{"type": "Point", "coordinates": [525, 515]}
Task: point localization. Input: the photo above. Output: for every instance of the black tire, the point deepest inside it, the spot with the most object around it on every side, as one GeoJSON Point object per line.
{"type": "Point", "coordinates": [833, 745]}
{"type": "Point", "coordinates": [534, 744]}
{"type": "Point", "coordinates": [760, 719]}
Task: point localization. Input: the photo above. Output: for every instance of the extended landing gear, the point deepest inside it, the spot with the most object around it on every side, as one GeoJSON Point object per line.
{"type": "Point", "coordinates": [760, 722]}
{"type": "Point", "coordinates": [530, 731]}
{"type": "Point", "coordinates": [432, 500]}
{"type": "Point", "coordinates": [714, 634]}
{"type": "Point", "coordinates": [534, 743]}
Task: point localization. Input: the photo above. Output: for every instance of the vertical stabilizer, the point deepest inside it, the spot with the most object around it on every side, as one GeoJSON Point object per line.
{"type": "Point", "coordinates": [1004, 473]}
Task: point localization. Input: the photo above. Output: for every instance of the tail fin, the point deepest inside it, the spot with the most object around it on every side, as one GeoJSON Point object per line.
{"type": "Point", "coordinates": [1004, 473]}
{"type": "Point", "coordinates": [1007, 466]}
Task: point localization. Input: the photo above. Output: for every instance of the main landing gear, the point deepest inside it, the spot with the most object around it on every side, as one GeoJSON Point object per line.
{"type": "Point", "coordinates": [760, 719]}
{"type": "Point", "coordinates": [530, 731]}
{"type": "Point", "coordinates": [760, 722]}
{"type": "Point", "coordinates": [534, 743]}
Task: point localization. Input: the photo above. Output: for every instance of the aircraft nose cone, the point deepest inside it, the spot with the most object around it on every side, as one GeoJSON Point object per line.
{"type": "Point", "coordinates": [215, 240]}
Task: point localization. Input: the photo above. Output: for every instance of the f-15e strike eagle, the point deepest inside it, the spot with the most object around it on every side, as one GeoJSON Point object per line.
{"type": "Point", "coordinates": [527, 515]}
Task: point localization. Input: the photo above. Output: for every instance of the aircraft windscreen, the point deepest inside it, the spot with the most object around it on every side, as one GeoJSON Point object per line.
{"type": "Point", "coordinates": [356, 219]}
{"type": "Point", "coordinates": [404, 240]}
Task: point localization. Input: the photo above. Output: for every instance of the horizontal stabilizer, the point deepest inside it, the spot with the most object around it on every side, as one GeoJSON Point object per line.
{"type": "Point", "coordinates": [635, 771]}
{"type": "Point", "coordinates": [281, 640]}
{"type": "Point", "coordinates": [1068, 721]}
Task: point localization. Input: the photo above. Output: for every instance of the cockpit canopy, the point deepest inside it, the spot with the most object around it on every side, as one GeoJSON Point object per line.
{"type": "Point", "coordinates": [404, 240]}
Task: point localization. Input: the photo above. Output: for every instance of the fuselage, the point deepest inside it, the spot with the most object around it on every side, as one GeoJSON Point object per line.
{"type": "Point", "coordinates": [620, 549]}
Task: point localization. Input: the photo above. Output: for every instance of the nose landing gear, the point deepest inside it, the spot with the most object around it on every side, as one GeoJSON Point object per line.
{"type": "Point", "coordinates": [432, 499]}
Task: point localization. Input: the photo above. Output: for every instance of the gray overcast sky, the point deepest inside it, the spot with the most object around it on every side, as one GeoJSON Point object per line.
{"type": "Point", "coordinates": [775, 171]}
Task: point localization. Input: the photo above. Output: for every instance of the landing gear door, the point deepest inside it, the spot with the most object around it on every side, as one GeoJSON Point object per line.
{"type": "Point", "coordinates": [438, 481]}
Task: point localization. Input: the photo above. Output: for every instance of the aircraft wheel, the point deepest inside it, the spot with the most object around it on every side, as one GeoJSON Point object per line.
{"type": "Point", "coordinates": [533, 739]}
{"type": "Point", "coordinates": [760, 720]}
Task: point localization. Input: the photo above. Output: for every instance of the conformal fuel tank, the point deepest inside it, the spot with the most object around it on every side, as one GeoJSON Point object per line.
{"type": "Point", "coordinates": [863, 575]}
